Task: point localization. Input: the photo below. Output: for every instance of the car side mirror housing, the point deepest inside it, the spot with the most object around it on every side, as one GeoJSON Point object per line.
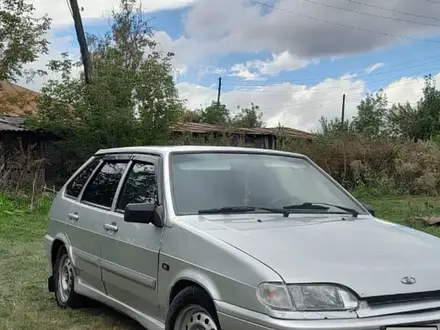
{"type": "Point", "coordinates": [143, 213]}
{"type": "Point", "coordinates": [370, 209]}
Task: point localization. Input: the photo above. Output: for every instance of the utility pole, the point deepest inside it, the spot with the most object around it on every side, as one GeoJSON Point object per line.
{"type": "Point", "coordinates": [81, 40]}
{"type": "Point", "coordinates": [219, 91]}
{"type": "Point", "coordinates": [343, 109]}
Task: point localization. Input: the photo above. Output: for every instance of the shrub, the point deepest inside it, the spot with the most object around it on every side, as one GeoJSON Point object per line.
{"type": "Point", "coordinates": [382, 165]}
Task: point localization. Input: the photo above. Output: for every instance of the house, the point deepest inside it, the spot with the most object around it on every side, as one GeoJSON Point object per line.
{"type": "Point", "coordinates": [23, 156]}
{"type": "Point", "coordinates": [31, 157]}
{"type": "Point", "coordinates": [265, 138]}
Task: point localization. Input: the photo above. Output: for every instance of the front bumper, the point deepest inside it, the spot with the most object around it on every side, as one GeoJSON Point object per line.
{"type": "Point", "coordinates": [232, 318]}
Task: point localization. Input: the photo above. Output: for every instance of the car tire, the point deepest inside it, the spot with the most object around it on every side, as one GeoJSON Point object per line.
{"type": "Point", "coordinates": [64, 281]}
{"type": "Point", "coordinates": [192, 308]}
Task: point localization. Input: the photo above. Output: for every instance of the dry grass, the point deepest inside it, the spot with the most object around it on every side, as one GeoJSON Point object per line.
{"type": "Point", "coordinates": [384, 164]}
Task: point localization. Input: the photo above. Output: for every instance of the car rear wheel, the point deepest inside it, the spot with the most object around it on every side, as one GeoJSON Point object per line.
{"type": "Point", "coordinates": [65, 294]}
{"type": "Point", "coordinates": [192, 309]}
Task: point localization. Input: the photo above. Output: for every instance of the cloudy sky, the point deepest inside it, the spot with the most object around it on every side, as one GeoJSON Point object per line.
{"type": "Point", "coordinates": [293, 58]}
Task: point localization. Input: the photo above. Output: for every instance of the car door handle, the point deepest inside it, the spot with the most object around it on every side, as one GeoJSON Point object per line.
{"type": "Point", "coordinates": [73, 216]}
{"type": "Point", "coordinates": [111, 227]}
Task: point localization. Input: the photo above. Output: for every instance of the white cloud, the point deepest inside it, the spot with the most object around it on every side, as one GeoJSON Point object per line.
{"type": "Point", "coordinates": [374, 67]}
{"type": "Point", "coordinates": [181, 59]}
{"type": "Point", "coordinates": [279, 63]}
{"type": "Point", "coordinates": [407, 89]}
{"type": "Point", "coordinates": [293, 105]}
{"type": "Point", "coordinates": [57, 46]}
{"type": "Point", "coordinates": [241, 71]}
{"type": "Point", "coordinates": [58, 10]}
{"type": "Point", "coordinates": [300, 106]}
{"type": "Point", "coordinates": [254, 70]}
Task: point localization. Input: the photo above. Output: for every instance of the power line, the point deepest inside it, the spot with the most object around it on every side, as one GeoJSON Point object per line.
{"type": "Point", "coordinates": [369, 14]}
{"type": "Point", "coordinates": [427, 71]}
{"type": "Point", "coordinates": [351, 27]}
{"type": "Point", "coordinates": [393, 10]}
{"type": "Point", "coordinates": [335, 99]}
{"type": "Point", "coordinates": [319, 79]}
{"type": "Point", "coordinates": [327, 90]}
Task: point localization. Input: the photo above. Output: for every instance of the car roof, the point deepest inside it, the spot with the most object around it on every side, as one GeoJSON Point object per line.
{"type": "Point", "coordinates": [164, 150]}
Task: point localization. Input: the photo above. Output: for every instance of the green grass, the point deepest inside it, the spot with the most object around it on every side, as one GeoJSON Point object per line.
{"type": "Point", "coordinates": [405, 210]}
{"type": "Point", "coordinates": [26, 304]}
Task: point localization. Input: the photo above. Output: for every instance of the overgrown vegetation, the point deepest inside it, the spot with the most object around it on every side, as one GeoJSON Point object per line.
{"type": "Point", "coordinates": [381, 165]}
{"type": "Point", "coordinates": [386, 149]}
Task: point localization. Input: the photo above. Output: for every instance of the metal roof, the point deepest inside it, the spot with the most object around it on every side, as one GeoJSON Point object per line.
{"type": "Point", "coordinates": [12, 124]}
{"type": "Point", "coordinates": [209, 128]}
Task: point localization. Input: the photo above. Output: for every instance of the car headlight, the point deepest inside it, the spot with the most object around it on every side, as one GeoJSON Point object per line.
{"type": "Point", "coordinates": [322, 298]}
{"type": "Point", "coordinates": [306, 297]}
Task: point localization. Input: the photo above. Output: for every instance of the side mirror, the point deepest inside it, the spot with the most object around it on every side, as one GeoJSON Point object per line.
{"type": "Point", "coordinates": [143, 213]}
{"type": "Point", "coordinates": [370, 209]}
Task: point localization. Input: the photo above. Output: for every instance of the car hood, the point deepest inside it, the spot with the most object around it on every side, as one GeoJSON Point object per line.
{"type": "Point", "coordinates": [368, 255]}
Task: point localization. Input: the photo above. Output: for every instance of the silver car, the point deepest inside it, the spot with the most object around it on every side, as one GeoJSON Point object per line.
{"type": "Point", "coordinates": [217, 238]}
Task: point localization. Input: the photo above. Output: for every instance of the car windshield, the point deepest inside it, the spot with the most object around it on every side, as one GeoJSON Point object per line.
{"type": "Point", "coordinates": [207, 181]}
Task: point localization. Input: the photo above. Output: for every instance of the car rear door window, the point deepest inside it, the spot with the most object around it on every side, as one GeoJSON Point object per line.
{"type": "Point", "coordinates": [102, 188]}
{"type": "Point", "coordinates": [140, 186]}
{"type": "Point", "coordinates": [74, 188]}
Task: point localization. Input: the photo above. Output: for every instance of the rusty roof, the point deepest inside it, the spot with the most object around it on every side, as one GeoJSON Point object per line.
{"type": "Point", "coordinates": [209, 128]}
{"type": "Point", "coordinates": [292, 132]}
{"type": "Point", "coordinates": [17, 101]}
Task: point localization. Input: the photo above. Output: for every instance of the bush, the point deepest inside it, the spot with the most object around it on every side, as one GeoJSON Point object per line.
{"type": "Point", "coordinates": [381, 165]}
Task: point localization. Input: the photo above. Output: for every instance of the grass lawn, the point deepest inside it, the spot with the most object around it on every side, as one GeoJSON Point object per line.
{"type": "Point", "coordinates": [26, 304]}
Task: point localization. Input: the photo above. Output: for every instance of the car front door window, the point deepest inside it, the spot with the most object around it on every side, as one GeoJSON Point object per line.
{"type": "Point", "coordinates": [140, 186]}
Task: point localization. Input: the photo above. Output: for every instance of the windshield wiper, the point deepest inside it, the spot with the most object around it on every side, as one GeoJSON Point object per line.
{"type": "Point", "coordinates": [320, 206]}
{"type": "Point", "coordinates": [243, 209]}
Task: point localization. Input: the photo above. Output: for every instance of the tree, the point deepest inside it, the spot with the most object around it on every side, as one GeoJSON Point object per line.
{"type": "Point", "coordinates": [215, 114]}
{"type": "Point", "coordinates": [22, 38]}
{"type": "Point", "coordinates": [132, 100]}
{"type": "Point", "coordinates": [404, 121]}
{"type": "Point", "coordinates": [428, 110]}
{"type": "Point", "coordinates": [249, 117]}
{"type": "Point", "coordinates": [371, 118]}
{"type": "Point", "coordinates": [421, 122]}
{"type": "Point", "coordinates": [334, 126]}
{"type": "Point", "coordinates": [191, 116]}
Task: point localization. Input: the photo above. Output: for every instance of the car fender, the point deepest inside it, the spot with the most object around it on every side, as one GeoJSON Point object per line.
{"type": "Point", "coordinates": [197, 277]}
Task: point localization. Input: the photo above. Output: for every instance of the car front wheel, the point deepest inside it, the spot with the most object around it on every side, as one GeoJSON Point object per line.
{"type": "Point", "coordinates": [192, 309]}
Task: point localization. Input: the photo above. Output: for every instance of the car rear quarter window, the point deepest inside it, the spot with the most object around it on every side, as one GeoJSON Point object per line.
{"type": "Point", "coordinates": [74, 188]}
{"type": "Point", "coordinates": [140, 186]}
{"type": "Point", "coordinates": [102, 188]}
